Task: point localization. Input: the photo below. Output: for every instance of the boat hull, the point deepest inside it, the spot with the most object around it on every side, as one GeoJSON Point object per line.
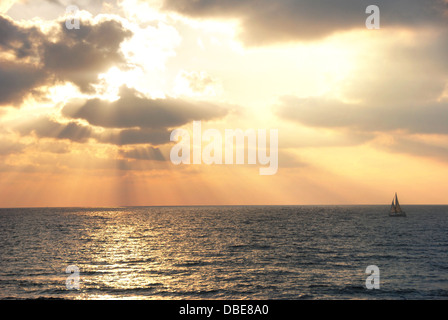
{"type": "Point", "coordinates": [401, 214]}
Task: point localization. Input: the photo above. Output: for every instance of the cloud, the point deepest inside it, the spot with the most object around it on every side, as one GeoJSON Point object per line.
{"type": "Point", "coordinates": [18, 80]}
{"type": "Point", "coordinates": [80, 55]}
{"type": "Point", "coordinates": [409, 68]}
{"type": "Point", "coordinates": [21, 41]}
{"type": "Point", "coordinates": [44, 127]}
{"type": "Point", "coordinates": [8, 146]}
{"type": "Point", "coordinates": [425, 118]}
{"type": "Point", "coordinates": [418, 148]}
{"type": "Point", "coordinates": [145, 153]}
{"type": "Point", "coordinates": [132, 119]}
{"type": "Point", "coordinates": [267, 21]}
{"type": "Point", "coordinates": [135, 136]}
{"type": "Point", "coordinates": [27, 168]}
{"type": "Point", "coordinates": [60, 55]}
{"type": "Point", "coordinates": [135, 110]}
{"type": "Point", "coordinates": [316, 138]}
{"type": "Point", "coordinates": [56, 147]}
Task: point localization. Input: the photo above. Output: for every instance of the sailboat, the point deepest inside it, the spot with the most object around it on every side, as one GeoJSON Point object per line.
{"type": "Point", "coordinates": [395, 209]}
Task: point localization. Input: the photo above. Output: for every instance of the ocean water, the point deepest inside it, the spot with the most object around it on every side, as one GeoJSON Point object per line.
{"type": "Point", "coordinates": [235, 252]}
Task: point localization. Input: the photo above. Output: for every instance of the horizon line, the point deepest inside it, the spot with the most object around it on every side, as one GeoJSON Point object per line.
{"type": "Point", "coordinates": [214, 205]}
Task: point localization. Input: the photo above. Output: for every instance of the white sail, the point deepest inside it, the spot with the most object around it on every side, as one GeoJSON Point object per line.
{"type": "Point", "coordinates": [392, 207]}
{"type": "Point", "coordinates": [397, 205]}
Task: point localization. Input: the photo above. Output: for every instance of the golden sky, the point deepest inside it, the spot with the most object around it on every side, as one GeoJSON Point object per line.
{"type": "Point", "coordinates": [86, 114]}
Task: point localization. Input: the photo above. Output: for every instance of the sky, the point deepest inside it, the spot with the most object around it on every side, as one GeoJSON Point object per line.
{"type": "Point", "coordinates": [86, 114]}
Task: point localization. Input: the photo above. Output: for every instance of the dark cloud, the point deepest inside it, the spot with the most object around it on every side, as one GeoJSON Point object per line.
{"type": "Point", "coordinates": [18, 80]}
{"type": "Point", "coordinates": [134, 110]}
{"type": "Point", "coordinates": [326, 113]}
{"type": "Point", "coordinates": [61, 55]}
{"type": "Point", "coordinates": [135, 136]}
{"type": "Point", "coordinates": [21, 41]}
{"type": "Point", "coordinates": [80, 55]}
{"type": "Point", "coordinates": [268, 21]}
{"type": "Point", "coordinates": [44, 127]}
{"type": "Point", "coordinates": [130, 120]}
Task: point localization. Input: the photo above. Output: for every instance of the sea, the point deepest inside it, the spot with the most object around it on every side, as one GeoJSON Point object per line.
{"type": "Point", "coordinates": [224, 252]}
